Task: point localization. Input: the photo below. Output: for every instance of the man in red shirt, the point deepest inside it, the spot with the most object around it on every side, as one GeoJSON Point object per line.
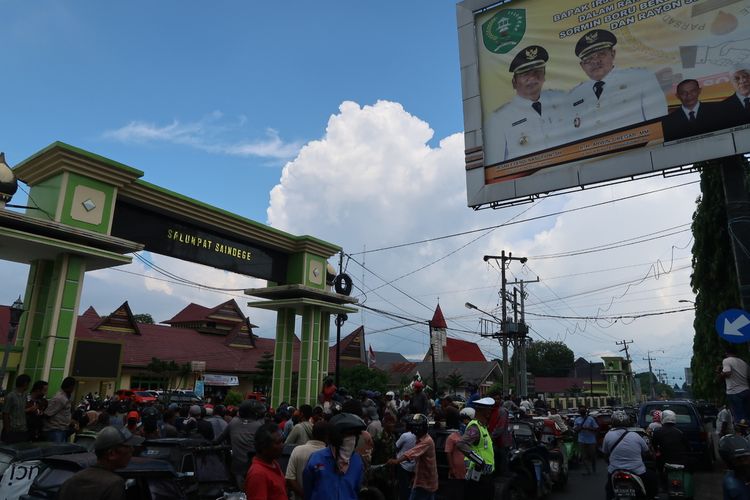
{"type": "Point", "coordinates": [265, 481]}
{"type": "Point", "coordinates": [499, 427]}
{"type": "Point", "coordinates": [425, 473]}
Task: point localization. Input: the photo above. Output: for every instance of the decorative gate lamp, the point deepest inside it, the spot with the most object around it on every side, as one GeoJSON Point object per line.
{"type": "Point", "coordinates": [8, 182]}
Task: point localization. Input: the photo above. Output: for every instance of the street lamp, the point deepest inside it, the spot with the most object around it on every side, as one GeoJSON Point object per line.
{"type": "Point", "coordinates": [16, 310]}
{"type": "Point", "coordinates": [685, 301]}
{"type": "Point", "coordinates": [469, 305]}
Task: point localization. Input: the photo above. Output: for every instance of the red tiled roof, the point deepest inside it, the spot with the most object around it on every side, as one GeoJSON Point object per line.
{"type": "Point", "coordinates": [461, 350]}
{"type": "Point", "coordinates": [438, 320]}
{"type": "Point", "coordinates": [181, 345]}
{"type": "Point", "coordinates": [193, 312]}
{"type": "Point", "coordinates": [90, 312]}
{"type": "Point", "coordinates": [554, 385]}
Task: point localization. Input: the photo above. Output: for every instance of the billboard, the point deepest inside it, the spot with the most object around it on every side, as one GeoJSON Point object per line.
{"type": "Point", "coordinates": [570, 93]}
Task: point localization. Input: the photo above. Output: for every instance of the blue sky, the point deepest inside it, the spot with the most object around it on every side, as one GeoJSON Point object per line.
{"type": "Point", "coordinates": [337, 119]}
{"type": "Point", "coordinates": [249, 71]}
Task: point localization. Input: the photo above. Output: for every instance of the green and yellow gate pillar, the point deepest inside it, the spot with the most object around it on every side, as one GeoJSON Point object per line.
{"type": "Point", "coordinates": [63, 235]}
{"type": "Point", "coordinates": [306, 295]}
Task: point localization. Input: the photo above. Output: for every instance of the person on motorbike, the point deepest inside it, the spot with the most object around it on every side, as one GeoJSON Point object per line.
{"type": "Point", "coordinates": [669, 442]}
{"type": "Point", "coordinates": [624, 451]}
{"type": "Point", "coordinates": [735, 451]}
{"type": "Point", "coordinates": [655, 422]}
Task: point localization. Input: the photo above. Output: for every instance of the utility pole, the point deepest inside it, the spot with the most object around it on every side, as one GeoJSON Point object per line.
{"type": "Point", "coordinates": [651, 374]}
{"type": "Point", "coordinates": [503, 334]}
{"type": "Point", "coordinates": [625, 343]}
{"type": "Point", "coordinates": [521, 341]}
{"type": "Point", "coordinates": [591, 379]}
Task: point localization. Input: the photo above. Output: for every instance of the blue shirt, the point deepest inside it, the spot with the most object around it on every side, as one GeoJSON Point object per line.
{"type": "Point", "coordinates": [628, 454]}
{"type": "Point", "coordinates": [586, 427]}
{"type": "Point", "coordinates": [323, 481]}
{"type": "Point", "coordinates": [734, 489]}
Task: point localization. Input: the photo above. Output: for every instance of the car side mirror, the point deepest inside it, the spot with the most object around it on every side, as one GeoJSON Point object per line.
{"type": "Point", "coordinates": [130, 483]}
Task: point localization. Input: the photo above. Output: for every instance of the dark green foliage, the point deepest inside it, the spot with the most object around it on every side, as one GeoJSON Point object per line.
{"type": "Point", "coordinates": [454, 381]}
{"type": "Point", "coordinates": [264, 376]}
{"type": "Point", "coordinates": [660, 390]}
{"type": "Point", "coordinates": [175, 373]}
{"type": "Point", "coordinates": [714, 279]}
{"type": "Point", "coordinates": [233, 398]}
{"type": "Point", "coordinates": [549, 359]}
{"type": "Point", "coordinates": [144, 318]}
{"type": "Point", "coordinates": [360, 377]}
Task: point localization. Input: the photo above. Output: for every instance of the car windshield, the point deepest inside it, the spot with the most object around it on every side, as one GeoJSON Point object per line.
{"type": "Point", "coordinates": [145, 394]}
{"type": "Point", "coordinates": [52, 477]}
{"type": "Point", "coordinates": [684, 415]}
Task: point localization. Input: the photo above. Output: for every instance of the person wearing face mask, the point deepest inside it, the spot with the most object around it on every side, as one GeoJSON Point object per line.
{"type": "Point", "coordinates": [337, 470]}
{"type": "Point", "coordinates": [425, 473]}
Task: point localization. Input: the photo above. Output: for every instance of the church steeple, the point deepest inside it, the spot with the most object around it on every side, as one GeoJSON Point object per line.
{"type": "Point", "coordinates": [439, 334]}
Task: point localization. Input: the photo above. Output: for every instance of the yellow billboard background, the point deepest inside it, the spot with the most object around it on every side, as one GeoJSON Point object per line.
{"type": "Point", "coordinates": [676, 40]}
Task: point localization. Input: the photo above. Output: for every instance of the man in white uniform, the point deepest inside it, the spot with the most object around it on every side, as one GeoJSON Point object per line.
{"type": "Point", "coordinates": [532, 120]}
{"type": "Point", "coordinates": [612, 98]}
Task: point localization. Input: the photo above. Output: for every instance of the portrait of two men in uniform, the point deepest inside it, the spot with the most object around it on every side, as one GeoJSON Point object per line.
{"type": "Point", "coordinates": [610, 98]}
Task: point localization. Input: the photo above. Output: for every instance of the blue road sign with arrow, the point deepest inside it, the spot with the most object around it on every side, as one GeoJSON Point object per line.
{"type": "Point", "coordinates": [733, 326]}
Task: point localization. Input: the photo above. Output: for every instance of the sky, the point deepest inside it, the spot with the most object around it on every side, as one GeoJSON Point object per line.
{"type": "Point", "coordinates": [341, 120]}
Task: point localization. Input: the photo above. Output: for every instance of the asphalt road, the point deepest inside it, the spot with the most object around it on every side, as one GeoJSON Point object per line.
{"type": "Point", "coordinates": [580, 486]}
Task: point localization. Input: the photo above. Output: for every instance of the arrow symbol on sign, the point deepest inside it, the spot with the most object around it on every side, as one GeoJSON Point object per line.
{"type": "Point", "coordinates": [733, 327]}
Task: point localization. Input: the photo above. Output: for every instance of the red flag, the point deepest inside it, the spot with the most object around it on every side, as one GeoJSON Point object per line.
{"type": "Point", "coordinates": [371, 357]}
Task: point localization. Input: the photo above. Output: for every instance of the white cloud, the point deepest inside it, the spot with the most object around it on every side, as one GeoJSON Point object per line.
{"type": "Point", "coordinates": [373, 181]}
{"type": "Point", "coordinates": [207, 134]}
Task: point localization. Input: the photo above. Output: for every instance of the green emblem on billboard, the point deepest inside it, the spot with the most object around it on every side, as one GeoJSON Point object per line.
{"type": "Point", "coordinates": [504, 30]}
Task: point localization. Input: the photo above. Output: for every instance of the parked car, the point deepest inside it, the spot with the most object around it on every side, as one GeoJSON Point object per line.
{"type": "Point", "coordinates": [136, 396]}
{"type": "Point", "coordinates": [145, 478]}
{"type": "Point", "coordinates": [697, 429]}
{"type": "Point", "coordinates": [20, 464]}
{"type": "Point", "coordinates": [182, 397]}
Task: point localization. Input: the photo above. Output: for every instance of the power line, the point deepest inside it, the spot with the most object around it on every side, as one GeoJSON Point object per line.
{"type": "Point", "coordinates": [511, 223]}
{"type": "Point", "coordinates": [615, 318]}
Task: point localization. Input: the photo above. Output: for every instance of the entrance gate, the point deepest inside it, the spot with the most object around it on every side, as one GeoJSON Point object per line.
{"type": "Point", "coordinates": [92, 211]}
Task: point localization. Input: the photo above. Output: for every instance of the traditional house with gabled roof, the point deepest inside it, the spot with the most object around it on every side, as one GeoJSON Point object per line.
{"type": "Point", "coordinates": [220, 338]}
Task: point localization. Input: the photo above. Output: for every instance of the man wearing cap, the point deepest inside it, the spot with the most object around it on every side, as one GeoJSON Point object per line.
{"type": "Point", "coordinates": [532, 120]}
{"type": "Point", "coordinates": [114, 448]}
{"type": "Point", "coordinates": [736, 107]}
{"type": "Point", "coordinates": [693, 117]}
{"type": "Point", "coordinates": [476, 444]}
{"type": "Point", "coordinates": [613, 97]}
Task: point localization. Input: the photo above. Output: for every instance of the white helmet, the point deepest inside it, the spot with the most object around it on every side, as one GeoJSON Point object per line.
{"type": "Point", "coordinates": [668, 417]}
{"type": "Point", "coordinates": [390, 394]}
{"type": "Point", "coordinates": [468, 413]}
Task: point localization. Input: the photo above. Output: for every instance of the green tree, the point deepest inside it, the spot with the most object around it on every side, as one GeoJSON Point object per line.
{"type": "Point", "coordinates": [548, 359]}
{"type": "Point", "coordinates": [360, 377]}
{"type": "Point", "coordinates": [660, 390]}
{"type": "Point", "coordinates": [174, 373]}
{"type": "Point", "coordinates": [714, 279]}
{"type": "Point", "coordinates": [144, 318]}
{"type": "Point", "coordinates": [233, 398]}
{"type": "Point", "coordinates": [454, 381]}
{"type": "Point", "coordinates": [264, 377]}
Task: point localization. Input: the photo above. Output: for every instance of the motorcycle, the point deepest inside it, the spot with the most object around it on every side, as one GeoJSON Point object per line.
{"type": "Point", "coordinates": [551, 436]}
{"type": "Point", "coordinates": [529, 462]}
{"type": "Point", "coordinates": [679, 481]}
{"type": "Point", "coordinates": [627, 486]}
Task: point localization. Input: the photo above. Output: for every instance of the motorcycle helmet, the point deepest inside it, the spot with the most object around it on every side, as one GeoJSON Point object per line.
{"type": "Point", "coordinates": [390, 394]}
{"type": "Point", "coordinates": [469, 413]}
{"type": "Point", "coordinates": [620, 419]}
{"type": "Point", "coordinates": [732, 447]}
{"type": "Point", "coordinates": [417, 424]}
{"type": "Point", "coordinates": [348, 423]}
{"type": "Point", "coordinates": [656, 416]}
{"type": "Point", "coordinates": [418, 385]}
{"type": "Point", "coordinates": [668, 417]}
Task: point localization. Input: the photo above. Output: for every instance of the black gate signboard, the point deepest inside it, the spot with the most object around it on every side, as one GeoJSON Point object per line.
{"type": "Point", "coordinates": [169, 236]}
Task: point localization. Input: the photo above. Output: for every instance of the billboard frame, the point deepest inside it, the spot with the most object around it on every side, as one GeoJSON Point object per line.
{"type": "Point", "coordinates": [657, 159]}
